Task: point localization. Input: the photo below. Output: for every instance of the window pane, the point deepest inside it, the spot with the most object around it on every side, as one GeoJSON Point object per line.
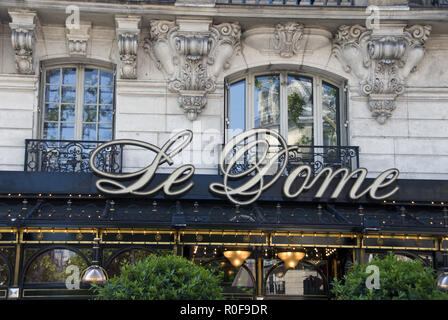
{"type": "Point", "coordinates": [89, 132]}
{"type": "Point", "coordinates": [330, 97]}
{"type": "Point", "coordinates": [106, 95]}
{"type": "Point", "coordinates": [50, 131]}
{"type": "Point", "coordinates": [51, 112]}
{"type": "Point", "coordinates": [300, 111]}
{"type": "Point", "coordinates": [68, 94]}
{"type": "Point", "coordinates": [105, 132]}
{"type": "Point", "coordinates": [89, 114]}
{"type": "Point", "coordinates": [68, 112]}
{"type": "Point", "coordinates": [91, 77]}
{"type": "Point", "coordinates": [90, 95]}
{"type": "Point", "coordinates": [107, 78]}
{"type": "Point", "coordinates": [52, 76]}
{"type": "Point", "coordinates": [105, 114]}
{"type": "Point", "coordinates": [267, 102]}
{"type": "Point", "coordinates": [67, 131]}
{"type": "Point", "coordinates": [237, 108]}
{"type": "Point", "coordinates": [50, 266]}
{"type": "Point", "coordinates": [69, 76]}
{"type": "Point", "coordinates": [52, 94]}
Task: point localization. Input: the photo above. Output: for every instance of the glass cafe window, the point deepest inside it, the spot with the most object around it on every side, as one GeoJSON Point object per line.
{"type": "Point", "coordinates": [77, 103]}
{"type": "Point", "coordinates": [303, 109]}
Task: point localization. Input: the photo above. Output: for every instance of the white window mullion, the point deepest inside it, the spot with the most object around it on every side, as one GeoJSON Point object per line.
{"type": "Point", "coordinates": [79, 101]}
{"type": "Point", "coordinates": [284, 105]}
{"type": "Point", "coordinates": [250, 102]}
{"type": "Point", "coordinates": [317, 110]}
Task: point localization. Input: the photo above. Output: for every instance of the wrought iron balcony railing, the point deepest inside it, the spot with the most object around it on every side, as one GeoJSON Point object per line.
{"type": "Point", "coordinates": [290, 2]}
{"type": "Point", "coordinates": [317, 157]}
{"type": "Point", "coordinates": [70, 156]}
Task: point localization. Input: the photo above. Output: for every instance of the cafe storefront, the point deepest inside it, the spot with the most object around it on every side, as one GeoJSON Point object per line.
{"type": "Point", "coordinates": [272, 236]}
{"type": "Point", "coordinates": [277, 142]}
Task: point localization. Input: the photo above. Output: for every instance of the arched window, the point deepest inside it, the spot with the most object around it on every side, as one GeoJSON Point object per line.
{"type": "Point", "coordinates": [304, 280]}
{"type": "Point", "coordinates": [303, 108]}
{"type": "Point", "coordinates": [51, 266]}
{"type": "Point", "coordinates": [77, 103]}
{"type": "Point", "coordinates": [125, 257]}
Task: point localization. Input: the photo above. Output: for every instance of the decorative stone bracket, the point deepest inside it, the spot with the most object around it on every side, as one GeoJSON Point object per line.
{"type": "Point", "coordinates": [381, 60]}
{"type": "Point", "coordinates": [22, 38]}
{"type": "Point", "coordinates": [192, 53]}
{"type": "Point", "coordinates": [128, 32]}
{"type": "Point", "coordinates": [287, 38]}
{"type": "Point", "coordinates": [77, 39]}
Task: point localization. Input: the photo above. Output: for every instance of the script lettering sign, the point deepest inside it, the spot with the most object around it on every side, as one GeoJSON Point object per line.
{"type": "Point", "coordinates": [263, 155]}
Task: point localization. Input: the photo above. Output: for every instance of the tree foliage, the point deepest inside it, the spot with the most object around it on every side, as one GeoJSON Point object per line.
{"type": "Point", "coordinates": [398, 280]}
{"type": "Point", "coordinates": [162, 278]}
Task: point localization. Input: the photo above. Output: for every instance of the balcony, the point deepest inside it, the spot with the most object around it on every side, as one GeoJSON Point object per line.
{"type": "Point", "coordinates": [70, 156]}
{"type": "Point", "coordinates": [318, 157]}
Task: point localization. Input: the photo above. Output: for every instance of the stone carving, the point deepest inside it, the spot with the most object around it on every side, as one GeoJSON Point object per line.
{"type": "Point", "coordinates": [192, 59]}
{"type": "Point", "coordinates": [77, 39]}
{"type": "Point", "coordinates": [381, 61]}
{"type": "Point", "coordinates": [128, 32]}
{"type": "Point", "coordinates": [127, 48]}
{"type": "Point", "coordinates": [287, 38]}
{"type": "Point", "coordinates": [22, 38]}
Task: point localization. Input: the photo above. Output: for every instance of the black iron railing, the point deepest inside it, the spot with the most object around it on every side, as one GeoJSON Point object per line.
{"type": "Point", "coordinates": [290, 2]}
{"type": "Point", "coordinates": [332, 3]}
{"type": "Point", "coordinates": [70, 156]}
{"type": "Point", "coordinates": [318, 157]}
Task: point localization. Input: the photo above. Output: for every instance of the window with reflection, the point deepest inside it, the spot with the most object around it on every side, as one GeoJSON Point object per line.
{"type": "Point", "coordinates": [235, 280]}
{"type": "Point", "coordinates": [305, 109]}
{"type": "Point", "coordinates": [4, 272]}
{"type": "Point", "coordinates": [77, 103]}
{"type": "Point", "coordinates": [51, 266]}
{"type": "Point", "coordinates": [303, 280]}
{"type": "Point", "coordinates": [126, 257]}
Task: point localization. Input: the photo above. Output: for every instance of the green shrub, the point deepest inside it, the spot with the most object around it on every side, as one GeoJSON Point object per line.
{"type": "Point", "coordinates": [399, 280]}
{"type": "Point", "coordinates": [162, 278]}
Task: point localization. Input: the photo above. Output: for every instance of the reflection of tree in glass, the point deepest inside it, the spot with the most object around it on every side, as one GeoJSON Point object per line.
{"type": "Point", "coordinates": [50, 266]}
{"type": "Point", "coordinates": [329, 116]}
{"type": "Point", "coordinates": [228, 274]}
{"type": "Point", "coordinates": [124, 258]}
{"type": "Point", "coordinates": [4, 273]}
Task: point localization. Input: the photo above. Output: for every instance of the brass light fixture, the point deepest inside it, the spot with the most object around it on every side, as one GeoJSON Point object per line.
{"type": "Point", "coordinates": [237, 257]}
{"type": "Point", "coordinates": [94, 273]}
{"type": "Point", "coordinates": [291, 258]}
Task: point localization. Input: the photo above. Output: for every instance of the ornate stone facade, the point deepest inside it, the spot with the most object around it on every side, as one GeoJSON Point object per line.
{"type": "Point", "coordinates": [381, 60]}
{"type": "Point", "coordinates": [77, 39]}
{"type": "Point", "coordinates": [192, 53]}
{"type": "Point", "coordinates": [127, 38]}
{"type": "Point", "coordinates": [22, 38]}
{"type": "Point", "coordinates": [287, 38]}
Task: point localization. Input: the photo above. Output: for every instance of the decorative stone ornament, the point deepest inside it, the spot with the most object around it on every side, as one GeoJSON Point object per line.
{"type": "Point", "coordinates": [192, 53]}
{"type": "Point", "coordinates": [381, 60]}
{"type": "Point", "coordinates": [22, 38]}
{"type": "Point", "coordinates": [127, 36]}
{"type": "Point", "coordinates": [287, 38]}
{"type": "Point", "coordinates": [77, 39]}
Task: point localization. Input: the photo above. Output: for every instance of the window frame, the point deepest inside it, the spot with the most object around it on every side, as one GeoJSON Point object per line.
{"type": "Point", "coordinates": [318, 81]}
{"type": "Point", "coordinates": [80, 66]}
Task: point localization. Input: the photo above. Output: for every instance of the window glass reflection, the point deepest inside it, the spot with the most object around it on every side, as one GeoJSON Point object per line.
{"type": "Point", "coordinates": [300, 111]}
{"type": "Point", "coordinates": [267, 102]}
{"type": "Point", "coordinates": [303, 280]}
{"type": "Point", "coordinates": [329, 114]}
{"type": "Point", "coordinates": [124, 258]}
{"type": "Point", "coordinates": [4, 273]}
{"type": "Point", "coordinates": [50, 266]}
{"type": "Point", "coordinates": [237, 108]}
